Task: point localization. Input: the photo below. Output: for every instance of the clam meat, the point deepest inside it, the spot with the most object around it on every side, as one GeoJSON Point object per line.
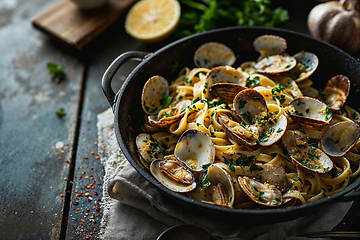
{"type": "Point", "coordinates": [174, 175]}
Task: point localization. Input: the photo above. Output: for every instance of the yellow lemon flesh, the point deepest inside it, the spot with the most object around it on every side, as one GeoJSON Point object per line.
{"type": "Point", "coordinates": [151, 21]}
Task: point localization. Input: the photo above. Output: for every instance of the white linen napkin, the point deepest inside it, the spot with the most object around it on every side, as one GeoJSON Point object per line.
{"type": "Point", "coordinates": [134, 209]}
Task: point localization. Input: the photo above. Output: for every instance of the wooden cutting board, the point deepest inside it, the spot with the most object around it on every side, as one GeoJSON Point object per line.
{"type": "Point", "coordinates": [67, 23]}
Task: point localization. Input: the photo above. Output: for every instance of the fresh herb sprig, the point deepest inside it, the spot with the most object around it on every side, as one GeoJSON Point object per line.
{"type": "Point", "coordinates": [203, 15]}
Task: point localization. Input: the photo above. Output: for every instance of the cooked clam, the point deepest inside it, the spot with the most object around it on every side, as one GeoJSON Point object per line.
{"type": "Point", "coordinates": [173, 174]}
{"type": "Point", "coordinates": [149, 149]}
{"type": "Point", "coordinates": [225, 74]}
{"type": "Point", "coordinates": [226, 91]}
{"type": "Point", "coordinates": [310, 111]}
{"type": "Point", "coordinates": [195, 149]}
{"type": "Point", "coordinates": [213, 54]}
{"type": "Point", "coordinates": [265, 173]}
{"type": "Point", "coordinates": [275, 64]}
{"type": "Point", "coordinates": [306, 156]}
{"type": "Point", "coordinates": [222, 188]}
{"type": "Point", "coordinates": [238, 133]}
{"type": "Point", "coordinates": [272, 130]}
{"type": "Point", "coordinates": [170, 115]}
{"type": "Point", "coordinates": [268, 45]}
{"type": "Point", "coordinates": [306, 65]}
{"type": "Point", "coordinates": [261, 193]}
{"type": "Point", "coordinates": [250, 106]}
{"type": "Point", "coordinates": [154, 94]}
{"type": "Point", "coordinates": [336, 92]}
{"type": "Point", "coordinates": [340, 138]}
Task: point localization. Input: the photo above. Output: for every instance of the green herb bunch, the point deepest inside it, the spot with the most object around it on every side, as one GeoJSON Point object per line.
{"type": "Point", "coordinates": [203, 15]}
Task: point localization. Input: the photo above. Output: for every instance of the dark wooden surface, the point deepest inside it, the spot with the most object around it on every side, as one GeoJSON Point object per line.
{"type": "Point", "coordinates": [43, 156]}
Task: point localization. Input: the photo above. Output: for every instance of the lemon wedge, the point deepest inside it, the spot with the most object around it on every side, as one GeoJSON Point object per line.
{"type": "Point", "coordinates": [151, 21]}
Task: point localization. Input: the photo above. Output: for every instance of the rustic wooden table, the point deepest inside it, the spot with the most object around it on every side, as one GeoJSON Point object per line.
{"type": "Point", "coordinates": [51, 178]}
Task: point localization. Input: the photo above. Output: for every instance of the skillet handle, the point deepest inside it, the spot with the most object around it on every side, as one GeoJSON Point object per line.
{"type": "Point", "coordinates": [113, 68]}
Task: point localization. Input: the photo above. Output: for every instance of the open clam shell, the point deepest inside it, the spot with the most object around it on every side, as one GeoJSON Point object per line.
{"type": "Point", "coordinates": [226, 91]}
{"type": "Point", "coordinates": [246, 135]}
{"type": "Point", "coordinates": [174, 175]}
{"type": "Point", "coordinates": [336, 92]}
{"type": "Point", "coordinates": [168, 116]}
{"type": "Point", "coordinates": [305, 156]}
{"type": "Point", "coordinates": [213, 54]}
{"type": "Point", "coordinates": [275, 64]}
{"type": "Point", "coordinates": [195, 149]}
{"type": "Point", "coordinates": [306, 65]}
{"type": "Point", "coordinates": [149, 149]}
{"type": "Point", "coordinates": [265, 173]}
{"type": "Point", "coordinates": [261, 193]}
{"type": "Point", "coordinates": [268, 45]}
{"type": "Point", "coordinates": [154, 94]}
{"type": "Point", "coordinates": [310, 111]}
{"type": "Point", "coordinates": [272, 131]}
{"type": "Point", "coordinates": [222, 187]}
{"type": "Point", "coordinates": [250, 106]}
{"type": "Point", "coordinates": [340, 138]}
{"type": "Point", "coordinates": [225, 74]}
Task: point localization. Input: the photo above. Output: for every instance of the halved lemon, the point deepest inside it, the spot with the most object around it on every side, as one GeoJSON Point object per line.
{"type": "Point", "coordinates": [151, 21]}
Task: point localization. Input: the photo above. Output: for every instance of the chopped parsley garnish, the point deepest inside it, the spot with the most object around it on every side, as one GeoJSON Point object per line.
{"type": "Point", "coordinates": [173, 67]}
{"type": "Point", "coordinates": [328, 113]}
{"type": "Point", "coordinates": [205, 166]}
{"type": "Point", "coordinates": [242, 104]}
{"type": "Point", "coordinates": [60, 113]}
{"type": "Point", "coordinates": [299, 103]}
{"type": "Point", "coordinates": [229, 162]}
{"type": "Point", "coordinates": [165, 100]}
{"type": "Point", "coordinates": [255, 167]}
{"type": "Point", "coordinates": [204, 183]}
{"type": "Point", "coordinates": [195, 100]}
{"type": "Point", "coordinates": [261, 196]}
{"type": "Point", "coordinates": [57, 72]}
{"type": "Point", "coordinates": [248, 116]}
{"type": "Point", "coordinates": [252, 82]}
{"type": "Point", "coordinates": [187, 80]}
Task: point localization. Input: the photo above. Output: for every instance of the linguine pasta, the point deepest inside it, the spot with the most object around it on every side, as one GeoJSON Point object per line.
{"type": "Point", "coordinates": [203, 114]}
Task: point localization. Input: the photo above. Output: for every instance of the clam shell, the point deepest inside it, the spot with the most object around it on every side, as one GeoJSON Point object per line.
{"type": "Point", "coordinates": [305, 156]}
{"type": "Point", "coordinates": [174, 175]}
{"type": "Point", "coordinates": [155, 90]}
{"type": "Point", "coordinates": [337, 91]}
{"type": "Point", "coordinates": [250, 106]}
{"type": "Point", "coordinates": [146, 146]}
{"type": "Point", "coordinates": [310, 111]}
{"type": "Point", "coordinates": [224, 195]}
{"type": "Point", "coordinates": [272, 131]}
{"type": "Point", "coordinates": [275, 64]}
{"type": "Point", "coordinates": [195, 149]}
{"type": "Point", "coordinates": [226, 91]}
{"type": "Point", "coordinates": [239, 134]}
{"type": "Point", "coordinates": [307, 63]}
{"type": "Point", "coordinates": [225, 74]}
{"type": "Point", "coordinates": [265, 173]}
{"type": "Point", "coordinates": [263, 194]}
{"type": "Point", "coordinates": [340, 138]}
{"type": "Point", "coordinates": [174, 114]}
{"type": "Point", "coordinates": [213, 54]}
{"type": "Point", "coordinates": [268, 45]}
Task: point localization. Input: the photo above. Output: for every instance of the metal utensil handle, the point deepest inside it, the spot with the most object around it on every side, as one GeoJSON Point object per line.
{"type": "Point", "coordinates": [113, 68]}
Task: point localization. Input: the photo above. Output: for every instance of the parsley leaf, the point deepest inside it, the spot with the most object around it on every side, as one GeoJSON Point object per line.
{"type": "Point", "coordinates": [56, 71]}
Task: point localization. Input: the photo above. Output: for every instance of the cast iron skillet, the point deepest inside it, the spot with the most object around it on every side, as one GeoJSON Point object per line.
{"type": "Point", "coordinates": [129, 116]}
